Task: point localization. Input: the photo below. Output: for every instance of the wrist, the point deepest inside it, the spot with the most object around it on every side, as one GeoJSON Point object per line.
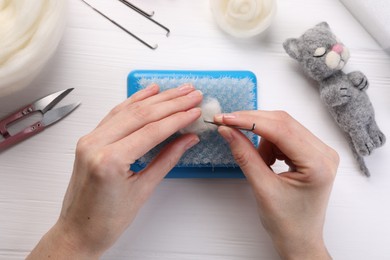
{"type": "Point", "coordinates": [58, 243]}
{"type": "Point", "coordinates": [303, 250]}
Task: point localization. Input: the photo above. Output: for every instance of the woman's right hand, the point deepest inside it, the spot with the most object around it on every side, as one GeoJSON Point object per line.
{"type": "Point", "coordinates": [292, 205]}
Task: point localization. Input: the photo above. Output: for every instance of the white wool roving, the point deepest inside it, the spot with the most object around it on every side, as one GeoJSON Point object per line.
{"type": "Point", "coordinates": [210, 107]}
{"type": "Point", "coordinates": [29, 34]}
{"type": "Point", "coordinates": [243, 18]}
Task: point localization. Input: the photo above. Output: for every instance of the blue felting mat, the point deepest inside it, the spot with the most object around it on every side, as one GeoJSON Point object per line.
{"type": "Point", "coordinates": [211, 158]}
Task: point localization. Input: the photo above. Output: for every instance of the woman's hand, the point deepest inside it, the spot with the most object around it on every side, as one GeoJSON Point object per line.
{"type": "Point", "coordinates": [104, 196]}
{"type": "Point", "coordinates": [292, 205]}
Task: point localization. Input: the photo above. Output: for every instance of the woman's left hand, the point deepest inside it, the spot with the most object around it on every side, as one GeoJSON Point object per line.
{"type": "Point", "coordinates": [104, 196]}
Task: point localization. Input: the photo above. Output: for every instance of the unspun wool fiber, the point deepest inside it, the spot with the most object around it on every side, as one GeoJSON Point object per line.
{"type": "Point", "coordinates": [210, 107]}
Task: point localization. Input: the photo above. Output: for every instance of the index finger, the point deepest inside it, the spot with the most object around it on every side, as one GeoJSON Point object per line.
{"type": "Point", "coordinates": [278, 127]}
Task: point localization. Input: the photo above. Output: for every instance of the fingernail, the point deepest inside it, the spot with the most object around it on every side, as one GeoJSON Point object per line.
{"type": "Point", "coordinates": [195, 93]}
{"type": "Point", "coordinates": [218, 118]}
{"type": "Point", "coordinates": [186, 87]}
{"type": "Point", "coordinates": [151, 87]}
{"type": "Point", "coordinates": [195, 110]}
{"type": "Point", "coordinates": [229, 116]}
{"type": "Point", "coordinates": [192, 143]}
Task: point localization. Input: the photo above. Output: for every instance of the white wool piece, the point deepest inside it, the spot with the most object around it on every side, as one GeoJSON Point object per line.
{"type": "Point", "coordinates": [30, 32]}
{"type": "Point", "coordinates": [210, 107]}
{"type": "Point", "coordinates": [243, 18]}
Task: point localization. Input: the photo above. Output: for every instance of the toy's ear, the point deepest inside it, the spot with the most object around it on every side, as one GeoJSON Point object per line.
{"type": "Point", "coordinates": [292, 49]}
{"type": "Point", "coordinates": [323, 25]}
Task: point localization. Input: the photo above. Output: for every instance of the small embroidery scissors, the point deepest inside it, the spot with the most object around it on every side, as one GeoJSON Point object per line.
{"type": "Point", "coordinates": [45, 106]}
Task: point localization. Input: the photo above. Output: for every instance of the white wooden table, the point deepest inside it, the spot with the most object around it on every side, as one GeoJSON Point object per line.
{"type": "Point", "coordinates": [195, 219]}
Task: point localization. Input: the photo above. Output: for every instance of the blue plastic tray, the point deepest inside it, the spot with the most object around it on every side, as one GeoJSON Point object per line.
{"type": "Point", "coordinates": [139, 79]}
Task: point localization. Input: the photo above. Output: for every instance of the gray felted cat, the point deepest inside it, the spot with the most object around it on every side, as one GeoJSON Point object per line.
{"type": "Point", "coordinates": [322, 57]}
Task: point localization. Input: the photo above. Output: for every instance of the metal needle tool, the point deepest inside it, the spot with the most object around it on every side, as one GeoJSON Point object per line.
{"type": "Point", "coordinates": [153, 47]}
{"type": "Point", "coordinates": [146, 15]}
{"type": "Point", "coordinates": [239, 128]}
{"type": "Point", "coordinates": [135, 8]}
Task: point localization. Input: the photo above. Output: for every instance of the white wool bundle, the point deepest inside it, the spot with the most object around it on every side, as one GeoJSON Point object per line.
{"type": "Point", "coordinates": [243, 18]}
{"type": "Point", "coordinates": [210, 107]}
{"type": "Point", "coordinates": [30, 31]}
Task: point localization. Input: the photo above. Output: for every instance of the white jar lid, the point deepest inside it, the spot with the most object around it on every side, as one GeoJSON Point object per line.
{"type": "Point", "coordinates": [243, 18]}
{"type": "Point", "coordinates": [30, 32]}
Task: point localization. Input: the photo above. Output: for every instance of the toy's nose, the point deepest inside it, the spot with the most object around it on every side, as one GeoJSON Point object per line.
{"type": "Point", "coordinates": [338, 48]}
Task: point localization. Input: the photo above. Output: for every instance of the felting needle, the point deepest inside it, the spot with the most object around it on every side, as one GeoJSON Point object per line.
{"type": "Point", "coordinates": [232, 126]}
{"type": "Point", "coordinates": [153, 47]}
{"type": "Point", "coordinates": [146, 16]}
{"type": "Point", "coordinates": [135, 8]}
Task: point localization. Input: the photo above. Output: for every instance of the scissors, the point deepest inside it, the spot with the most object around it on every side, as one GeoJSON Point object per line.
{"type": "Point", "coordinates": [44, 106]}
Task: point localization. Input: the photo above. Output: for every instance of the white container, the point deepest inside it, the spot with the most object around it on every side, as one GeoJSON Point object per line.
{"type": "Point", "coordinates": [30, 31]}
{"type": "Point", "coordinates": [243, 18]}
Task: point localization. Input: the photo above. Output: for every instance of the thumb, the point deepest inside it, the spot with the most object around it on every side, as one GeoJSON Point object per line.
{"type": "Point", "coordinates": [246, 156]}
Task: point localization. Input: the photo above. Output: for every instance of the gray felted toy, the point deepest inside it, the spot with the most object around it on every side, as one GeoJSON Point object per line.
{"type": "Point", "coordinates": [322, 57]}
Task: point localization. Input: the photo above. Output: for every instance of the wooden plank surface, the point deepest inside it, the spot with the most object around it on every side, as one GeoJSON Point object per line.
{"type": "Point", "coordinates": [195, 219]}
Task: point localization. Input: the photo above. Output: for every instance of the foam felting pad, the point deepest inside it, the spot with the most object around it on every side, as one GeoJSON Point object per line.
{"type": "Point", "coordinates": [211, 158]}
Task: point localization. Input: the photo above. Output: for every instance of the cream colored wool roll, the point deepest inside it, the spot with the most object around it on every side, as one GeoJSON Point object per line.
{"type": "Point", "coordinates": [243, 18]}
{"type": "Point", "coordinates": [30, 31]}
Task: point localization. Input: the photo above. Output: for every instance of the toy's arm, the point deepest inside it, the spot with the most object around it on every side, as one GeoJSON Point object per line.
{"type": "Point", "coordinates": [358, 79]}
{"type": "Point", "coordinates": [335, 94]}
